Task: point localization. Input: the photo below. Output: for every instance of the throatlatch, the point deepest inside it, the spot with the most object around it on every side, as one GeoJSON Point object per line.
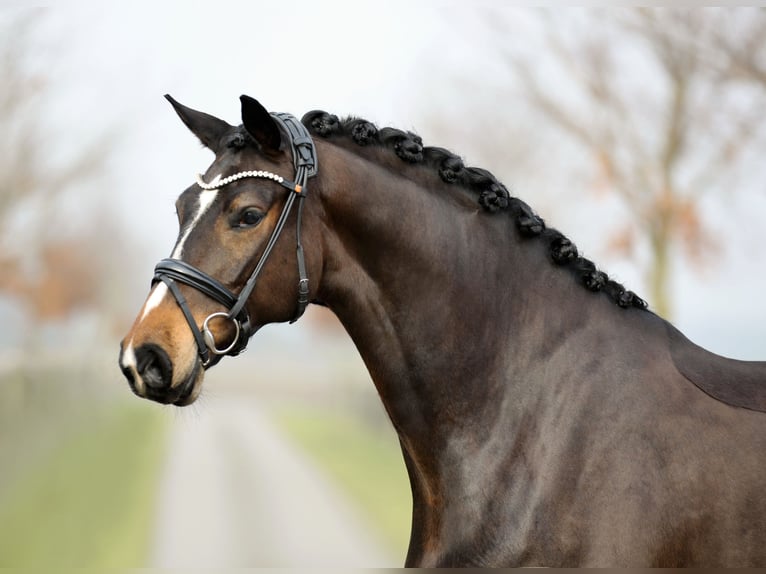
{"type": "Point", "coordinates": [170, 271]}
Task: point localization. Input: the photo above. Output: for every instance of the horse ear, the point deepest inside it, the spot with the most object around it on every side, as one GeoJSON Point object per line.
{"type": "Point", "coordinates": [207, 128]}
{"type": "Point", "coordinates": [260, 124]}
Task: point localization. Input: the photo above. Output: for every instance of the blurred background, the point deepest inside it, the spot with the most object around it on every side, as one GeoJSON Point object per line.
{"type": "Point", "coordinates": [639, 133]}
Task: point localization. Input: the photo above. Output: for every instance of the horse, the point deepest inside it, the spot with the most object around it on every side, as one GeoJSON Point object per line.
{"type": "Point", "coordinates": [546, 416]}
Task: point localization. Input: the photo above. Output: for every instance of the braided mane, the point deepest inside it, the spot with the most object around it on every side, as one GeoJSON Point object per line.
{"type": "Point", "coordinates": [492, 195]}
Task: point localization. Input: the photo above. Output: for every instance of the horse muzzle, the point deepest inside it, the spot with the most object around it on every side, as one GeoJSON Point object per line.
{"type": "Point", "coordinates": [149, 372]}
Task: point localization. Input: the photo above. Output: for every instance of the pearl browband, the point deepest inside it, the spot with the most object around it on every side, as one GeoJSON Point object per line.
{"type": "Point", "coordinates": [218, 182]}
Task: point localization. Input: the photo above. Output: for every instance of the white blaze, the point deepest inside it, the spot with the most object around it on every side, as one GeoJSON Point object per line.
{"type": "Point", "coordinates": [205, 200]}
{"type": "Point", "coordinates": [129, 357]}
{"type": "Point", "coordinates": [155, 298]}
{"type": "Point", "coordinates": [160, 290]}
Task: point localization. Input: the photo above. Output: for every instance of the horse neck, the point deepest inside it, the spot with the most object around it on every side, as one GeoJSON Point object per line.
{"type": "Point", "coordinates": [465, 328]}
{"type": "Point", "coordinates": [434, 293]}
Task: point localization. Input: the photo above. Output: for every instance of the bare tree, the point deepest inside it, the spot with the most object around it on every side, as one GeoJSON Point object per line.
{"type": "Point", "coordinates": [736, 48]}
{"type": "Point", "coordinates": [50, 269]}
{"type": "Point", "coordinates": [655, 99]}
{"type": "Point", "coordinates": [27, 175]}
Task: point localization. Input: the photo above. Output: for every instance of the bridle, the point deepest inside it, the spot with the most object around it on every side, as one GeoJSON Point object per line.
{"type": "Point", "coordinates": [171, 271]}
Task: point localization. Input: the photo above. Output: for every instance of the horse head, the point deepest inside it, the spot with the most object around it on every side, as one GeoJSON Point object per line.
{"type": "Point", "coordinates": [203, 303]}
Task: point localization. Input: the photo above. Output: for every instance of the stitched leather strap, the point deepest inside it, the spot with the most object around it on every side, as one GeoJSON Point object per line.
{"type": "Point", "coordinates": [202, 349]}
{"type": "Point", "coordinates": [304, 150]}
{"type": "Point", "coordinates": [185, 273]}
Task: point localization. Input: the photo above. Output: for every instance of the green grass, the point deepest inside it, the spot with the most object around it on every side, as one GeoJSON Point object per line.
{"type": "Point", "coordinates": [89, 502]}
{"type": "Point", "coordinates": [365, 461]}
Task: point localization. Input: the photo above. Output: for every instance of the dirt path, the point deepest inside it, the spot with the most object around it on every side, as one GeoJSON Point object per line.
{"type": "Point", "coordinates": [235, 494]}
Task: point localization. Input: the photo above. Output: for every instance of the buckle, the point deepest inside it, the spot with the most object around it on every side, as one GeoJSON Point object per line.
{"type": "Point", "coordinates": [303, 290]}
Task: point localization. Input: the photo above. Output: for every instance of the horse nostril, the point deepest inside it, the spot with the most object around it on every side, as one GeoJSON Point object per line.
{"type": "Point", "coordinates": [154, 366]}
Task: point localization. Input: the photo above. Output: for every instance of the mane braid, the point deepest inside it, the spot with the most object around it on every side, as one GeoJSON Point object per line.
{"type": "Point", "coordinates": [492, 195]}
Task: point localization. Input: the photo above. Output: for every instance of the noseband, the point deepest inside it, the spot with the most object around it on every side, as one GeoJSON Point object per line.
{"type": "Point", "coordinates": [173, 271]}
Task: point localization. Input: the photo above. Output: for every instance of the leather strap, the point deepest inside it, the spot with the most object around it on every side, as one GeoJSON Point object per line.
{"type": "Point", "coordinates": [185, 273]}
{"type": "Point", "coordinates": [303, 278]}
{"type": "Point", "coordinates": [305, 162]}
{"type": "Point", "coordinates": [303, 148]}
{"type": "Point", "coordinates": [202, 349]}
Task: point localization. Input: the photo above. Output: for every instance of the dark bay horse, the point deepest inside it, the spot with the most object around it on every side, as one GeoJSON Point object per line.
{"type": "Point", "coordinates": [546, 417]}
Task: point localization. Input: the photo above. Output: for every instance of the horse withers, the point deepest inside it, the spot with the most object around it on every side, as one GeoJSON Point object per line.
{"type": "Point", "coordinates": [546, 416]}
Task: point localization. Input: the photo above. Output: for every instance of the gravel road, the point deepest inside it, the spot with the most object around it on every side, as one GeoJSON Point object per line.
{"type": "Point", "coordinates": [234, 493]}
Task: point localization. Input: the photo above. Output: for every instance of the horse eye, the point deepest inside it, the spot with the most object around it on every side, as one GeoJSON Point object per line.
{"type": "Point", "coordinates": [249, 218]}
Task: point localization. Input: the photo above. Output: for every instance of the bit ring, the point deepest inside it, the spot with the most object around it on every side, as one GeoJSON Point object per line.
{"type": "Point", "coordinates": [210, 338]}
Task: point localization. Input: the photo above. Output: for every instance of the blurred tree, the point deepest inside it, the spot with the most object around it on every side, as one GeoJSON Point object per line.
{"type": "Point", "coordinates": [656, 100]}
{"type": "Point", "coordinates": [68, 281]}
{"type": "Point", "coordinates": [46, 260]}
{"type": "Point", "coordinates": [27, 177]}
{"type": "Point", "coordinates": [737, 46]}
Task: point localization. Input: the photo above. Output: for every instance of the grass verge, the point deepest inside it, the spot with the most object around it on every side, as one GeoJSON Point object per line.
{"type": "Point", "coordinates": [89, 502]}
{"type": "Point", "coordinates": [365, 461]}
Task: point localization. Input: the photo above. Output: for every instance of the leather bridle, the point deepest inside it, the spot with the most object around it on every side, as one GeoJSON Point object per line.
{"type": "Point", "coordinates": [173, 271]}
